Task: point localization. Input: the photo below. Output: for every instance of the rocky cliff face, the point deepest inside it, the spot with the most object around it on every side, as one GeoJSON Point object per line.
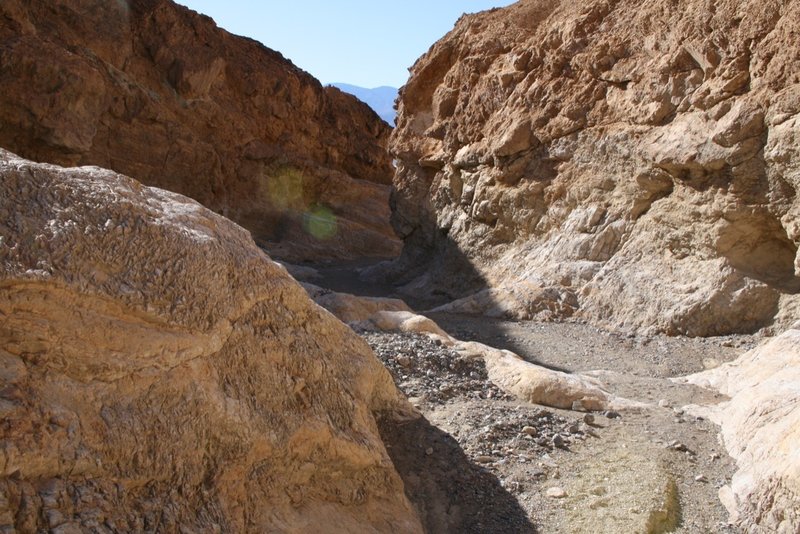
{"type": "Point", "coordinates": [153, 90]}
{"type": "Point", "coordinates": [633, 163]}
{"type": "Point", "coordinates": [159, 373]}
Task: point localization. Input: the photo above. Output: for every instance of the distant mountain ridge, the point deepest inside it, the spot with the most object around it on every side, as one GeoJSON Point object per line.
{"type": "Point", "coordinates": [381, 99]}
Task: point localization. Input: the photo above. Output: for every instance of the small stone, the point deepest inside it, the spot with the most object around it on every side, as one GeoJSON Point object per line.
{"type": "Point", "coordinates": [429, 451]}
{"type": "Point", "coordinates": [700, 478]}
{"type": "Point", "coordinates": [677, 446]}
{"type": "Point", "coordinates": [537, 473]}
{"type": "Point", "coordinates": [577, 406]}
{"type": "Point", "coordinates": [599, 491]}
{"type": "Point", "coordinates": [483, 459]}
{"type": "Point", "coordinates": [663, 403]}
{"type": "Point", "coordinates": [558, 441]}
{"type": "Point", "coordinates": [715, 456]}
{"type": "Point", "coordinates": [589, 431]}
{"type": "Point", "coordinates": [588, 419]}
{"type": "Point", "coordinates": [611, 414]}
{"type": "Point", "coordinates": [530, 430]}
{"type": "Point", "coordinates": [556, 492]}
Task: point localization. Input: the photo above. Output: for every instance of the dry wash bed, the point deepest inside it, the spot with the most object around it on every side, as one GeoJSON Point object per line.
{"type": "Point", "coordinates": [481, 461]}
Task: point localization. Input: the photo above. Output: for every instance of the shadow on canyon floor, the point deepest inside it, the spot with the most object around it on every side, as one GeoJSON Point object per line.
{"type": "Point", "coordinates": [451, 494]}
{"type": "Point", "coordinates": [425, 283]}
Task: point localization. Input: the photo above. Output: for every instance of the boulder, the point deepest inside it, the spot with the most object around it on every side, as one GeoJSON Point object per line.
{"type": "Point", "coordinates": [158, 372]}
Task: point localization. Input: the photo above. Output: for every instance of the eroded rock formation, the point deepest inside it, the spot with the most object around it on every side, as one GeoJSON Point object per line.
{"type": "Point", "coordinates": [761, 429]}
{"type": "Point", "coordinates": [157, 92]}
{"type": "Point", "coordinates": [632, 163]}
{"type": "Point", "coordinates": [508, 371]}
{"type": "Point", "coordinates": [158, 372]}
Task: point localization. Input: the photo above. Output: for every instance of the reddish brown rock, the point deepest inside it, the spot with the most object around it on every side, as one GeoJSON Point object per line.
{"type": "Point", "coordinates": [153, 90]}
{"type": "Point", "coordinates": [635, 164]}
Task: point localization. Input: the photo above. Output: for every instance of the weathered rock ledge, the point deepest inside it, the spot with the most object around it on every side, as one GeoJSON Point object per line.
{"type": "Point", "coordinates": [761, 429]}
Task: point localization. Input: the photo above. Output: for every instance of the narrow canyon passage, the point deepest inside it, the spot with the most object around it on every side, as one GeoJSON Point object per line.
{"type": "Point", "coordinates": [590, 321]}
{"type": "Point", "coordinates": [483, 461]}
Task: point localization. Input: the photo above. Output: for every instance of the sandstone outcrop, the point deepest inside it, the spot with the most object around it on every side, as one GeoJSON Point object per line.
{"type": "Point", "coordinates": [159, 93]}
{"type": "Point", "coordinates": [761, 430]}
{"type": "Point", "coordinates": [158, 372]}
{"type": "Point", "coordinates": [634, 164]}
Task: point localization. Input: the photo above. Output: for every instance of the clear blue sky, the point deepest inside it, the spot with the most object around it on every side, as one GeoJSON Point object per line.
{"type": "Point", "coordinates": [362, 42]}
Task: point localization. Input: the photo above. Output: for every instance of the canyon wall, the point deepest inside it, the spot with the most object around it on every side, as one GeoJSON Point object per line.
{"type": "Point", "coordinates": [157, 92]}
{"type": "Point", "coordinates": [634, 164]}
{"type": "Point", "coordinates": [160, 373]}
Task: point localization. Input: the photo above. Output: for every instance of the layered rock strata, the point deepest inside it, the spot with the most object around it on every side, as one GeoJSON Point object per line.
{"type": "Point", "coordinates": [158, 372]}
{"type": "Point", "coordinates": [634, 164]}
{"type": "Point", "coordinates": [157, 92]}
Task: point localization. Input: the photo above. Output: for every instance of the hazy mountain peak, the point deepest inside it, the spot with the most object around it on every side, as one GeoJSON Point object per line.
{"type": "Point", "coordinates": [380, 99]}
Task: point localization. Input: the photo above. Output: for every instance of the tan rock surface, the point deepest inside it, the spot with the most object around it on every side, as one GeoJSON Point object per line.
{"type": "Point", "coordinates": [538, 384]}
{"type": "Point", "coordinates": [157, 92]}
{"type": "Point", "coordinates": [160, 373]}
{"type": "Point", "coordinates": [352, 309]}
{"type": "Point", "coordinates": [761, 430]}
{"type": "Point", "coordinates": [634, 164]}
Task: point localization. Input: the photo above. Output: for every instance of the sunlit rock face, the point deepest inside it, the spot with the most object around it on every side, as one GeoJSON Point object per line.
{"type": "Point", "coordinates": [634, 164]}
{"type": "Point", "coordinates": [158, 92]}
{"type": "Point", "coordinates": [159, 373]}
{"type": "Point", "coordinates": [761, 429]}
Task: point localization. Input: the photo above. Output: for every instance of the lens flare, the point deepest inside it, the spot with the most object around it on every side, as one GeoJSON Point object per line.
{"type": "Point", "coordinates": [320, 222]}
{"type": "Point", "coordinates": [285, 189]}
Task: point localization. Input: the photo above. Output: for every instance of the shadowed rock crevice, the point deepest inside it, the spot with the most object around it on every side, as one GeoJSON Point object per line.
{"type": "Point", "coordinates": [757, 245]}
